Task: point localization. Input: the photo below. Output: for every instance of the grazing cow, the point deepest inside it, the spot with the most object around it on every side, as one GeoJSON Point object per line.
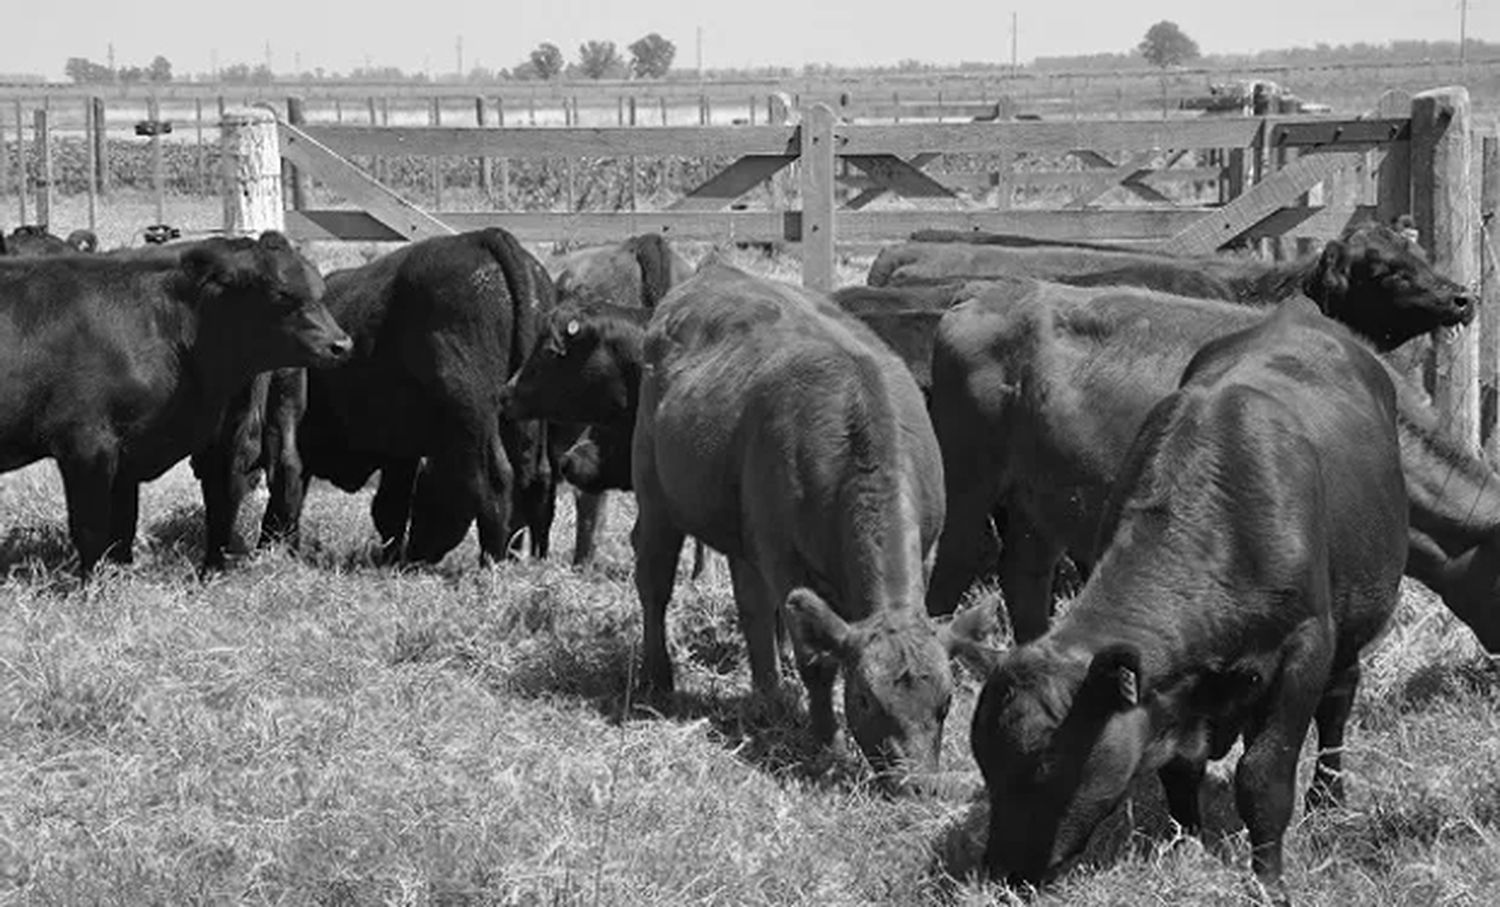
{"type": "Point", "coordinates": [118, 368]}
{"type": "Point", "coordinates": [32, 241]}
{"type": "Point", "coordinates": [1373, 279]}
{"type": "Point", "coordinates": [1251, 549]}
{"type": "Point", "coordinates": [439, 326]}
{"type": "Point", "coordinates": [634, 274]}
{"type": "Point", "coordinates": [783, 433]}
{"type": "Point", "coordinates": [1038, 391]}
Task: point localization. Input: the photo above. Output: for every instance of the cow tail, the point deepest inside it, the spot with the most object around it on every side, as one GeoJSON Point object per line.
{"type": "Point", "coordinates": [529, 287]}
{"type": "Point", "coordinates": [655, 260]}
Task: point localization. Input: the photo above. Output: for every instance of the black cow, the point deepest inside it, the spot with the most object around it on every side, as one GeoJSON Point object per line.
{"type": "Point", "coordinates": [633, 274]}
{"type": "Point", "coordinates": [1038, 391]}
{"type": "Point", "coordinates": [1251, 549]}
{"type": "Point", "coordinates": [438, 327]}
{"type": "Point", "coordinates": [121, 367]}
{"type": "Point", "coordinates": [32, 241]}
{"type": "Point", "coordinates": [1374, 279]}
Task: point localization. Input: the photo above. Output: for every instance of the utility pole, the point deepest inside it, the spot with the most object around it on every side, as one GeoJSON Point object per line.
{"type": "Point", "coordinates": [1463, 32]}
{"type": "Point", "coordinates": [213, 62]}
{"type": "Point", "coordinates": [269, 68]}
{"type": "Point", "coordinates": [111, 61]}
{"type": "Point", "coordinates": [700, 53]}
{"type": "Point", "coordinates": [1015, 68]}
{"type": "Point", "coordinates": [458, 49]}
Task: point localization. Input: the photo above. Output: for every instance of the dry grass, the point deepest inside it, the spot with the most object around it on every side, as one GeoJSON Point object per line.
{"type": "Point", "coordinates": [316, 730]}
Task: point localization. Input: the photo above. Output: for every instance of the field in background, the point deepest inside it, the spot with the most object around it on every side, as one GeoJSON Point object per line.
{"type": "Point", "coordinates": [317, 730]}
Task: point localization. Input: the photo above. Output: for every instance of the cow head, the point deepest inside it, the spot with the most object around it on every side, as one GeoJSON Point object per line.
{"type": "Point", "coordinates": [1059, 734]}
{"type": "Point", "coordinates": [264, 301]}
{"type": "Point", "coordinates": [585, 367]}
{"type": "Point", "coordinates": [1379, 283]}
{"type": "Point", "coordinates": [898, 683]}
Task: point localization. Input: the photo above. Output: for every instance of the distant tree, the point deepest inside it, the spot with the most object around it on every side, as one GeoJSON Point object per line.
{"type": "Point", "coordinates": [132, 74]}
{"type": "Point", "coordinates": [80, 69]}
{"type": "Point", "coordinates": [160, 70]}
{"type": "Point", "coordinates": [261, 75]}
{"type": "Point", "coordinates": [547, 61]}
{"type": "Point", "coordinates": [1165, 45]}
{"type": "Point", "coordinates": [597, 59]}
{"type": "Point", "coordinates": [651, 57]}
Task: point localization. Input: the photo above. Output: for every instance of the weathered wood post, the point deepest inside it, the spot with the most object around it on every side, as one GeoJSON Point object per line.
{"type": "Point", "coordinates": [4, 160]}
{"type": "Point", "coordinates": [1444, 205]}
{"type": "Point", "coordinates": [23, 181]}
{"type": "Point", "coordinates": [816, 155]}
{"type": "Point", "coordinates": [101, 144]}
{"type": "Point", "coordinates": [1489, 294]}
{"type": "Point", "coordinates": [504, 161]}
{"type": "Point", "coordinates": [200, 185]}
{"type": "Point", "coordinates": [435, 163]}
{"type": "Point", "coordinates": [43, 139]}
{"type": "Point", "coordinates": [486, 183]}
{"type": "Point", "coordinates": [250, 156]}
{"type": "Point", "coordinates": [296, 180]}
{"type": "Point", "coordinates": [158, 168]}
{"type": "Point", "coordinates": [91, 162]}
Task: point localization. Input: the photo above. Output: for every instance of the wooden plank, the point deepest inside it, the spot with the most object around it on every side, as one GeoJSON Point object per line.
{"type": "Point", "coordinates": [297, 182]}
{"type": "Point", "coordinates": [1105, 225]}
{"type": "Point", "coordinates": [553, 142]}
{"type": "Point", "coordinates": [1321, 223]}
{"type": "Point", "coordinates": [1328, 133]}
{"type": "Point", "coordinates": [1045, 136]}
{"type": "Point", "coordinates": [1101, 181]}
{"type": "Point", "coordinates": [1280, 190]}
{"type": "Point", "coordinates": [349, 181]}
{"type": "Point", "coordinates": [874, 189]}
{"type": "Point", "coordinates": [1443, 200]}
{"type": "Point", "coordinates": [586, 227]}
{"type": "Point", "coordinates": [732, 182]}
{"type": "Point", "coordinates": [818, 185]}
{"type": "Point", "coordinates": [1393, 179]}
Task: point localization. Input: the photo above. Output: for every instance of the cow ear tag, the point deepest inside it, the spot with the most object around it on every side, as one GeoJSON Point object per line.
{"type": "Point", "coordinates": [1129, 693]}
{"type": "Point", "coordinates": [573, 328]}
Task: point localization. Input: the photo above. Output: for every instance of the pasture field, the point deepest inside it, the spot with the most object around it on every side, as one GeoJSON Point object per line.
{"type": "Point", "coordinates": [317, 730]}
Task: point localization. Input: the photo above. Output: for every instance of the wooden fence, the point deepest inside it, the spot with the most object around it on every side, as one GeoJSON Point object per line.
{"type": "Point", "coordinates": [1278, 177]}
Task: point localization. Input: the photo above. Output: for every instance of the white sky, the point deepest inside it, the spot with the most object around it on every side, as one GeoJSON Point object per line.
{"type": "Point", "coordinates": [340, 34]}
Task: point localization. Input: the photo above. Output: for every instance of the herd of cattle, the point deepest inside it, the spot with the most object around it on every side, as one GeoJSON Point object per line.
{"type": "Point", "coordinates": [1221, 447]}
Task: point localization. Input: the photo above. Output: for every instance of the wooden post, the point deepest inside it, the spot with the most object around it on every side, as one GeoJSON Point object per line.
{"type": "Point", "coordinates": [1443, 203]}
{"type": "Point", "coordinates": [91, 172]}
{"type": "Point", "coordinates": [158, 171]}
{"type": "Point", "coordinates": [200, 185]}
{"type": "Point", "coordinates": [486, 184]}
{"type": "Point", "coordinates": [101, 145]}
{"type": "Point", "coordinates": [435, 163]}
{"type": "Point", "coordinates": [817, 160]}
{"type": "Point", "coordinates": [504, 162]}
{"type": "Point", "coordinates": [1489, 294]}
{"type": "Point", "coordinates": [43, 138]}
{"type": "Point", "coordinates": [251, 172]}
{"type": "Point", "coordinates": [4, 159]}
{"type": "Point", "coordinates": [296, 181]}
{"type": "Point", "coordinates": [620, 111]}
{"type": "Point", "coordinates": [377, 165]}
{"type": "Point", "coordinates": [23, 184]}
{"type": "Point", "coordinates": [338, 111]}
{"type": "Point", "coordinates": [663, 100]}
{"type": "Point", "coordinates": [531, 110]}
{"type": "Point", "coordinates": [630, 110]}
{"type": "Point", "coordinates": [752, 110]}
{"type": "Point", "coordinates": [1393, 184]}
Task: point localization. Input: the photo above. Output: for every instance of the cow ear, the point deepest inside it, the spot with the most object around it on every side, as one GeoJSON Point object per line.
{"type": "Point", "coordinates": [1115, 677]}
{"type": "Point", "coordinates": [1330, 278]}
{"type": "Point", "coordinates": [965, 638]}
{"type": "Point", "coordinates": [274, 241]}
{"type": "Point", "coordinates": [816, 625]}
{"type": "Point", "coordinates": [84, 240]}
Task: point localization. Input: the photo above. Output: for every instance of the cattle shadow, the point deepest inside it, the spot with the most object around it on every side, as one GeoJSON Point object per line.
{"type": "Point", "coordinates": [1139, 827]}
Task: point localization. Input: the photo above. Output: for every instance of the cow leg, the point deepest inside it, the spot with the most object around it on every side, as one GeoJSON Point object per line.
{"type": "Point", "coordinates": [1331, 718]}
{"type": "Point", "coordinates": [1266, 778]}
{"type": "Point", "coordinates": [392, 506]}
{"type": "Point", "coordinates": [224, 487]}
{"type": "Point", "coordinates": [962, 548]}
{"type": "Point", "coordinates": [759, 614]}
{"type": "Point", "coordinates": [124, 514]}
{"type": "Point", "coordinates": [491, 492]}
{"type": "Point", "coordinates": [589, 516]}
{"type": "Point", "coordinates": [286, 479]}
{"type": "Point", "coordinates": [1182, 780]}
{"type": "Point", "coordinates": [1027, 564]}
{"type": "Point", "coordinates": [657, 545]}
{"type": "Point", "coordinates": [88, 479]}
